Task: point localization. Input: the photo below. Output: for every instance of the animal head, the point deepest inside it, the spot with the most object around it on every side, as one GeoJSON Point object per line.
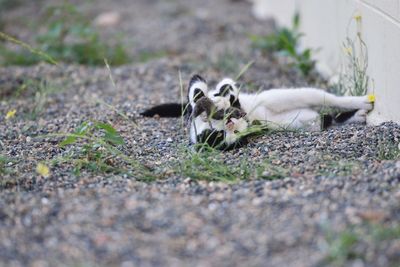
{"type": "Point", "coordinates": [216, 116]}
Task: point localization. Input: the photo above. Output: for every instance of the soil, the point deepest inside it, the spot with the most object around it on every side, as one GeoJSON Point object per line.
{"type": "Point", "coordinates": [328, 198]}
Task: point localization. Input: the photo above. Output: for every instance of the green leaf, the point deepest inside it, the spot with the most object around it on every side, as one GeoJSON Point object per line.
{"type": "Point", "coordinates": [68, 141]}
{"type": "Point", "coordinates": [83, 128]}
{"type": "Point", "coordinates": [307, 54]}
{"type": "Point", "coordinates": [107, 127]}
{"type": "Point", "coordinates": [111, 134]}
{"type": "Point", "coordinates": [296, 20]}
{"type": "Point", "coordinates": [115, 139]}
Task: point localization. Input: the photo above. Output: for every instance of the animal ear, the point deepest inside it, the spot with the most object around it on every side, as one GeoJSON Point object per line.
{"type": "Point", "coordinates": [197, 89]}
{"type": "Point", "coordinates": [225, 90]}
{"type": "Point", "coordinates": [227, 86]}
{"type": "Point", "coordinates": [196, 78]}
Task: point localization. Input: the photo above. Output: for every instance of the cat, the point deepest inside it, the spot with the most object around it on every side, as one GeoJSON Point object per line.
{"type": "Point", "coordinates": [222, 117]}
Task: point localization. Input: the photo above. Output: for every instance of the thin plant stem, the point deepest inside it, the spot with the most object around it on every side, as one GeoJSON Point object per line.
{"type": "Point", "coordinates": [28, 47]}
{"type": "Point", "coordinates": [244, 70]}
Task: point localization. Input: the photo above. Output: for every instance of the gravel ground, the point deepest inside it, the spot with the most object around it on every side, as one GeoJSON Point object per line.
{"type": "Point", "coordinates": [335, 199]}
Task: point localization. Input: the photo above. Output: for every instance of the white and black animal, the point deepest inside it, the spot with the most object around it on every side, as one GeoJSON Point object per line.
{"type": "Point", "coordinates": [221, 117]}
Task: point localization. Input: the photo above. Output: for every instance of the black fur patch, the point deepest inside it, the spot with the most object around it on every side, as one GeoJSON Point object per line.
{"type": "Point", "coordinates": [234, 102]}
{"type": "Point", "coordinates": [165, 110]}
{"type": "Point", "coordinates": [206, 105]}
{"type": "Point", "coordinates": [211, 137]}
{"type": "Point", "coordinates": [344, 116]}
{"type": "Point", "coordinates": [216, 139]}
{"type": "Point", "coordinates": [203, 105]}
{"type": "Point", "coordinates": [224, 91]}
{"type": "Point", "coordinates": [326, 121]}
{"type": "Point", "coordinates": [196, 78]}
{"type": "Point", "coordinates": [197, 94]}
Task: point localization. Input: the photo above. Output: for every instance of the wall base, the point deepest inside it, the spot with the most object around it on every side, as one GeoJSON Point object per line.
{"type": "Point", "coordinates": [326, 25]}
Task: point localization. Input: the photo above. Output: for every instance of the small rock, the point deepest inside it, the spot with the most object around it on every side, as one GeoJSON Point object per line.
{"type": "Point", "coordinates": [372, 215]}
{"type": "Point", "coordinates": [107, 19]}
{"type": "Point", "coordinates": [45, 201]}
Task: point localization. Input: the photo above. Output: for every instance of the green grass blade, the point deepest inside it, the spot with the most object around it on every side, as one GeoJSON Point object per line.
{"type": "Point", "coordinates": [28, 47]}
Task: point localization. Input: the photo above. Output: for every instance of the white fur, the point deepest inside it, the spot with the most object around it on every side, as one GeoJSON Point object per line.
{"type": "Point", "coordinates": [197, 85]}
{"type": "Point", "coordinates": [294, 108]}
{"type": "Point", "coordinates": [276, 108]}
{"type": "Point", "coordinates": [233, 129]}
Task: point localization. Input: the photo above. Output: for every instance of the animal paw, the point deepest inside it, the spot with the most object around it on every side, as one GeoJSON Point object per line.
{"type": "Point", "coordinates": [368, 102]}
{"type": "Point", "coordinates": [363, 103]}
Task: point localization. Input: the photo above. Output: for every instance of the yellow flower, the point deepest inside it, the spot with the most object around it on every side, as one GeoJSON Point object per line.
{"type": "Point", "coordinates": [43, 170]}
{"type": "Point", "coordinates": [11, 114]}
{"type": "Point", "coordinates": [347, 50]}
{"type": "Point", "coordinates": [357, 17]}
{"type": "Point", "coordinates": [371, 98]}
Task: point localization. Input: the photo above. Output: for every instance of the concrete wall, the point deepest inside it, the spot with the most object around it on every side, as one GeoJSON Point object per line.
{"type": "Point", "coordinates": [326, 23]}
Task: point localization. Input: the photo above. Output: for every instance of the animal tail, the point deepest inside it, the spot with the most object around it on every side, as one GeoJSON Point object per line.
{"type": "Point", "coordinates": [166, 110]}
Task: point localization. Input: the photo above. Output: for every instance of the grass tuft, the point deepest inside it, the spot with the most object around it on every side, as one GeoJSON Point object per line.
{"type": "Point", "coordinates": [285, 42]}
{"type": "Point", "coordinates": [98, 147]}
{"type": "Point", "coordinates": [357, 241]}
{"type": "Point", "coordinates": [269, 171]}
{"type": "Point", "coordinates": [38, 90]}
{"type": "Point", "coordinates": [22, 58]}
{"type": "Point", "coordinates": [3, 164]}
{"type": "Point", "coordinates": [203, 162]}
{"type": "Point", "coordinates": [341, 247]}
{"type": "Point", "coordinates": [68, 37]}
{"type": "Point", "coordinates": [353, 78]}
{"type": "Point", "coordinates": [207, 163]}
{"type": "Point", "coordinates": [120, 113]}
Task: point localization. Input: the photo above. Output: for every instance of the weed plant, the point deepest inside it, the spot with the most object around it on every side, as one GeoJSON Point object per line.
{"type": "Point", "coordinates": [98, 147]}
{"type": "Point", "coordinates": [3, 164]}
{"type": "Point", "coordinates": [286, 42]}
{"type": "Point", "coordinates": [203, 162]}
{"type": "Point", "coordinates": [37, 91]}
{"type": "Point", "coordinates": [41, 89]}
{"type": "Point", "coordinates": [341, 247]}
{"type": "Point", "coordinates": [351, 243]}
{"type": "Point", "coordinates": [206, 163]}
{"type": "Point", "coordinates": [353, 78]}
{"type": "Point", "coordinates": [68, 37]}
